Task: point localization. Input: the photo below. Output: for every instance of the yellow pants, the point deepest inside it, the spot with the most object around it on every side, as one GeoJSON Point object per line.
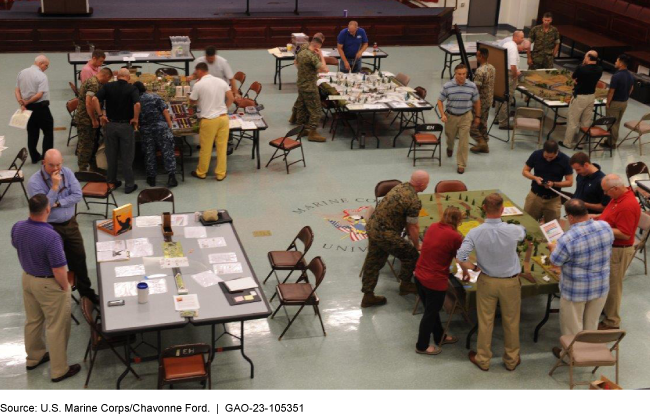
{"type": "Point", "coordinates": [209, 131]}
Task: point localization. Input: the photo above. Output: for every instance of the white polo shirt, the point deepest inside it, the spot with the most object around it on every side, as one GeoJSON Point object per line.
{"type": "Point", "coordinates": [219, 68]}
{"type": "Point", "coordinates": [210, 92]}
{"type": "Point", "coordinates": [513, 54]}
{"type": "Point", "coordinates": [31, 81]}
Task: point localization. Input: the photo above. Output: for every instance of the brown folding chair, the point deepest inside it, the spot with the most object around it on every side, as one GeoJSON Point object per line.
{"type": "Point", "coordinates": [14, 174]}
{"type": "Point", "coordinates": [640, 127]}
{"type": "Point", "coordinates": [641, 240]}
{"type": "Point", "coordinates": [185, 363]}
{"type": "Point", "coordinates": [291, 259]}
{"type": "Point", "coordinates": [156, 194]}
{"type": "Point", "coordinates": [403, 79]}
{"type": "Point", "coordinates": [600, 131]}
{"type": "Point", "coordinates": [426, 135]}
{"type": "Point", "coordinates": [254, 87]}
{"type": "Point", "coordinates": [330, 60]}
{"type": "Point", "coordinates": [163, 72]}
{"type": "Point", "coordinates": [100, 341]}
{"type": "Point", "coordinates": [447, 186]}
{"type": "Point", "coordinates": [302, 293]}
{"type": "Point", "coordinates": [72, 281]}
{"type": "Point", "coordinates": [640, 169]}
{"type": "Point", "coordinates": [71, 106]}
{"type": "Point", "coordinates": [96, 187]}
{"type": "Point", "coordinates": [588, 349]}
{"type": "Point", "coordinates": [287, 144]}
{"type": "Point", "coordinates": [241, 78]}
{"type": "Point", "coordinates": [75, 90]}
{"type": "Point", "coordinates": [528, 119]}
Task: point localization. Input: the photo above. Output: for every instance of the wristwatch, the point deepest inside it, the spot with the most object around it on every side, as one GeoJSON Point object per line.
{"type": "Point", "coordinates": [57, 205]}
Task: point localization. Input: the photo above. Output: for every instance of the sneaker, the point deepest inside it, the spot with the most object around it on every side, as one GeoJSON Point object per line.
{"type": "Point", "coordinates": [406, 288]}
{"type": "Point", "coordinates": [371, 300]}
{"type": "Point", "coordinates": [72, 370]}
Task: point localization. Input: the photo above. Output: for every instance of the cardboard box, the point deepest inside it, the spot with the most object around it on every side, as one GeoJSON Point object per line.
{"type": "Point", "coordinates": [604, 384]}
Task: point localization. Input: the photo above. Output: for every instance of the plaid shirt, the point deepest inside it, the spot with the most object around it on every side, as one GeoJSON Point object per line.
{"type": "Point", "coordinates": [584, 253]}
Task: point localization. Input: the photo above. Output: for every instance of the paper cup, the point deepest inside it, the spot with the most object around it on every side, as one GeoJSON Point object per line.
{"type": "Point", "coordinates": [143, 293]}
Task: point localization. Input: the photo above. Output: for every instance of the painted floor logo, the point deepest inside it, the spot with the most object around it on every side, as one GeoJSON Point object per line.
{"type": "Point", "coordinates": [352, 222]}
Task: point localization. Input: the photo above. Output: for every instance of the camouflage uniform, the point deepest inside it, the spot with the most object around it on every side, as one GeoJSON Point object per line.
{"type": "Point", "coordinates": [308, 103]}
{"type": "Point", "coordinates": [86, 134]}
{"type": "Point", "coordinates": [384, 228]}
{"type": "Point", "coordinates": [484, 80]}
{"type": "Point", "coordinates": [545, 43]}
{"type": "Point", "coordinates": [156, 133]}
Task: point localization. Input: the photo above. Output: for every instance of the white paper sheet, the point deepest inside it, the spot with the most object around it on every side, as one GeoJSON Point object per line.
{"type": "Point", "coordinates": [206, 279]}
{"type": "Point", "coordinates": [212, 242]}
{"type": "Point", "coordinates": [128, 59]}
{"type": "Point", "coordinates": [552, 230]}
{"type": "Point", "coordinates": [111, 256]}
{"type": "Point", "coordinates": [179, 262]}
{"type": "Point", "coordinates": [195, 232]}
{"type": "Point", "coordinates": [20, 119]}
{"type": "Point", "coordinates": [473, 275]}
{"type": "Point", "coordinates": [248, 125]}
{"type": "Point", "coordinates": [129, 271]}
{"type": "Point", "coordinates": [132, 243]}
{"type": "Point", "coordinates": [222, 258]}
{"type": "Point", "coordinates": [140, 55]}
{"type": "Point", "coordinates": [186, 302]}
{"type": "Point", "coordinates": [511, 211]}
{"type": "Point", "coordinates": [240, 284]}
{"type": "Point", "coordinates": [179, 220]}
{"type": "Point", "coordinates": [231, 268]}
{"type": "Point", "coordinates": [139, 251]}
{"type": "Point", "coordinates": [118, 245]}
{"type": "Point", "coordinates": [148, 221]}
{"type": "Point", "coordinates": [130, 288]}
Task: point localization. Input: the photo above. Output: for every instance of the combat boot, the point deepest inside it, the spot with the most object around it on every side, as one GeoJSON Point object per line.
{"type": "Point", "coordinates": [370, 300]}
{"type": "Point", "coordinates": [314, 136]}
{"type": "Point", "coordinates": [406, 288]}
{"type": "Point", "coordinates": [481, 146]}
{"type": "Point", "coordinates": [292, 119]}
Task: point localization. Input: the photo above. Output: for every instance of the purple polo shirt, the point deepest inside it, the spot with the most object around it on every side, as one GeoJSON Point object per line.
{"type": "Point", "coordinates": [39, 247]}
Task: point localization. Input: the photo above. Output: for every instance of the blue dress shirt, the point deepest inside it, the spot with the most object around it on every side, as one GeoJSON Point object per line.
{"type": "Point", "coordinates": [68, 195]}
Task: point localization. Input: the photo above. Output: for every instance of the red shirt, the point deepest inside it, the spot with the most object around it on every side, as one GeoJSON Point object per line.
{"type": "Point", "coordinates": [438, 250]}
{"type": "Point", "coordinates": [623, 214]}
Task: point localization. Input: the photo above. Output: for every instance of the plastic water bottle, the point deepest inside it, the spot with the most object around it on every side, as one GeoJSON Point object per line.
{"type": "Point", "coordinates": [375, 48]}
{"type": "Point", "coordinates": [345, 13]}
{"type": "Point", "coordinates": [362, 141]}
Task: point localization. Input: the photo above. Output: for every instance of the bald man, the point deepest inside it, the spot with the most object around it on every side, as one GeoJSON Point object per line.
{"type": "Point", "coordinates": [399, 210]}
{"type": "Point", "coordinates": [351, 43]}
{"type": "Point", "coordinates": [33, 93]}
{"type": "Point", "coordinates": [513, 66]}
{"type": "Point", "coordinates": [63, 192]}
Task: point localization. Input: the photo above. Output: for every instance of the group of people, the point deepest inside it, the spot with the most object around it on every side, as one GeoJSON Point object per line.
{"type": "Point", "coordinates": [594, 254]}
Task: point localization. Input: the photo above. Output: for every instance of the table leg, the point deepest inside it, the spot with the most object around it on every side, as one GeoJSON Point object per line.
{"type": "Point", "coordinates": [256, 144]}
{"type": "Point", "coordinates": [187, 68]}
{"type": "Point", "coordinates": [127, 354]}
{"type": "Point", "coordinates": [248, 12]}
{"type": "Point", "coordinates": [74, 74]}
{"type": "Point", "coordinates": [244, 354]}
{"type": "Point", "coordinates": [548, 136]}
{"type": "Point", "coordinates": [275, 76]}
{"type": "Point", "coordinates": [296, 10]}
{"type": "Point", "coordinates": [280, 76]}
{"type": "Point", "coordinates": [548, 312]}
{"type": "Point", "coordinates": [444, 67]}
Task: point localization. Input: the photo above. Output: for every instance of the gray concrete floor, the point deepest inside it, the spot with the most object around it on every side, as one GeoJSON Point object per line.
{"type": "Point", "coordinates": [364, 349]}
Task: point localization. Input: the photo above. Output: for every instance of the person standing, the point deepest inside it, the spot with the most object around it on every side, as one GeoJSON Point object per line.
{"type": "Point", "coordinates": [93, 66]}
{"type": "Point", "coordinates": [63, 191]}
{"type": "Point", "coordinates": [33, 93]}
{"type": "Point", "coordinates": [583, 252]}
{"type": "Point", "coordinates": [620, 89]}
{"type": "Point", "coordinates": [46, 292]}
{"type": "Point", "coordinates": [622, 214]}
{"type": "Point", "coordinates": [119, 119]}
{"type": "Point", "coordinates": [546, 39]}
{"type": "Point", "coordinates": [463, 101]}
{"type": "Point", "coordinates": [546, 168]}
{"type": "Point", "coordinates": [495, 244]}
{"type": "Point", "coordinates": [156, 133]}
{"type": "Point", "coordinates": [588, 183]}
{"type": "Point", "coordinates": [296, 104]}
{"type": "Point", "coordinates": [484, 80]}
{"type": "Point", "coordinates": [581, 108]}
{"type": "Point", "coordinates": [212, 97]}
{"type": "Point", "coordinates": [398, 210]}
{"type": "Point", "coordinates": [351, 43]}
{"type": "Point", "coordinates": [513, 65]}
{"type": "Point", "coordinates": [441, 242]}
{"type": "Point", "coordinates": [218, 67]}
{"type": "Point", "coordinates": [310, 62]}
{"type": "Point", "coordinates": [87, 119]}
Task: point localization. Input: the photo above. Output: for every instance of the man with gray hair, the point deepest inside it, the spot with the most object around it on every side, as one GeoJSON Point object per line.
{"type": "Point", "coordinates": [622, 213]}
{"type": "Point", "coordinates": [33, 93]}
{"type": "Point", "coordinates": [513, 66]}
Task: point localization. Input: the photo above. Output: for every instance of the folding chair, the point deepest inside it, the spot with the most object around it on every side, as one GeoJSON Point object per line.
{"type": "Point", "coordinates": [287, 145]}
{"type": "Point", "coordinates": [241, 78]}
{"type": "Point", "coordinates": [163, 72]}
{"type": "Point", "coordinates": [447, 186]}
{"type": "Point", "coordinates": [14, 174]}
{"type": "Point", "coordinates": [185, 363]}
{"type": "Point", "coordinates": [598, 133]}
{"type": "Point", "coordinates": [528, 119]}
{"type": "Point", "coordinates": [291, 259]}
{"type": "Point", "coordinates": [426, 135]}
{"type": "Point", "coordinates": [633, 170]}
{"type": "Point", "coordinates": [71, 106]}
{"type": "Point", "coordinates": [330, 60]}
{"type": "Point", "coordinates": [96, 187]}
{"type": "Point", "coordinates": [156, 194]}
{"type": "Point", "coordinates": [72, 281]}
{"type": "Point", "coordinates": [639, 127]}
{"type": "Point", "coordinates": [302, 293]}
{"type": "Point", "coordinates": [75, 90]}
{"type": "Point", "coordinates": [641, 240]}
{"type": "Point", "coordinates": [341, 116]}
{"type": "Point", "coordinates": [588, 349]}
{"type": "Point", "coordinates": [403, 79]}
{"type": "Point", "coordinates": [254, 87]}
{"type": "Point", "coordinates": [100, 341]}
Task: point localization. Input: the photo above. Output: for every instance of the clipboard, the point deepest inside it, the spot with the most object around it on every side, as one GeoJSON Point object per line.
{"type": "Point", "coordinates": [230, 296]}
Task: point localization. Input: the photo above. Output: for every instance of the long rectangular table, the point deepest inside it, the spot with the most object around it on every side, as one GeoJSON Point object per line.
{"type": "Point", "coordinates": [334, 53]}
{"type": "Point", "coordinates": [128, 59]}
{"type": "Point", "coordinates": [158, 313]}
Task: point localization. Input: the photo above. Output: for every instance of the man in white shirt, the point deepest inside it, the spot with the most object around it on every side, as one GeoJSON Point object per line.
{"type": "Point", "coordinates": [212, 97]}
{"type": "Point", "coordinates": [513, 66]}
{"type": "Point", "coordinates": [217, 67]}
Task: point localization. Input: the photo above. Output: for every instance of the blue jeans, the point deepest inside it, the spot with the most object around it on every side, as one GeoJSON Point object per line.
{"type": "Point", "coordinates": [355, 69]}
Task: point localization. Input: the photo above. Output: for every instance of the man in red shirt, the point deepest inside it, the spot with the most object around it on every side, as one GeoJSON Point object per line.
{"type": "Point", "coordinates": [622, 213]}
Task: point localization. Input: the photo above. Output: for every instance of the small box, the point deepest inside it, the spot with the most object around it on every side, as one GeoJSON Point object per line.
{"type": "Point", "coordinates": [604, 384]}
{"type": "Point", "coordinates": [299, 40]}
{"type": "Point", "coordinates": [180, 46]}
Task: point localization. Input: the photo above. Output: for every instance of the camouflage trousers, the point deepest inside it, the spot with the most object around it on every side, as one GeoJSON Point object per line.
{"type": "Point", "coordinates": [542, 61]}
{"type": "Point", "coordinates": [86, 141]}
{"type": "Point", "coordinates": [308, 109]}
{"type": "Point", "coordinates": [380, 245]}
{"type": "Point", "coordinates": [158, 137]}
{"type": "Point", "coordinates": [481, 130]}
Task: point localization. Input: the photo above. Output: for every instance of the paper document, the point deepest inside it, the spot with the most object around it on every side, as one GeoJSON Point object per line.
{"type": "Point", "coordinates": [222, 258]}
{"type": "Point", "coordinates": [110, 256]}
{"type": "Point", "coordinates": [229, 268]}
{"type": "Point", "coordinates": [511, 211]}
{"type": "Point", "coordinates": [552, 230]}
{"type": "Point", "coordinates": [140, 55]}
{"type": "Point", "coordinates": [20, 119]}
{"type": "Point", "coordinates": [129, 271]}
{"type": "Point", "coordinates": [473, 275]}
{"type": "Point", "coordinates": [195, 232]}
{"type": "Point", "coordinates": [248, 125]}
{"type": "Point", "coordinates": [212, 242]}
{"type": "Point", "coordinates": [241, 284]}
{"type": "Point", "coordinates": [128, 59]}
{"type": "Point", "coordinates": [179, 220]}
{"type": "Point", "coordinates": [186, 302]}
{"type": "Point", "coordinates": [560, 194]}
{"type": "Point", "coordinates": [130, 288]}
{"type": "Point", "coordinates": [147, 221]}
{"type": "Point", "coordinates": [206, 279]}
{"type": "Point", "coordinates": [180, 262]}
{"type": "Point", "coordinates": [110, 246]}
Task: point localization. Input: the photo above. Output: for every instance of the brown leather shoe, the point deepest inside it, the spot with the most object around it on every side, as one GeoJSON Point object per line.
{"type": "Point", "coordinates": [472, 358]}
{"type": "Point", "coordinates": [371, 300]}
{"type": "Point", "coordinates": [44, 359]}
{"type": "Point", "coordinates": [557, 352]}
{"type": "Point", "coordinates": [460, 170]}
{"type": "Point", "coordinates": [450, 152]}
{"type": "Point", "coordinates": [72, 370]}
{"type": "Point", "coordinates": [406, 288]}
{"type": "Point", "coordinates": [513, 368]}
{"type": "Point", "coordinates": [603, 326]}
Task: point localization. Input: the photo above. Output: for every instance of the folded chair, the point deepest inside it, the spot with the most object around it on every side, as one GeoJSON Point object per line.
{"type": "Point", "coordinates": [14, 174]}
{"type": "Point", "coordinates": [71, 106]}
{"type": "Point", "coordinates": [639, 169]}
{"type": "Point", "coordinates": [426, 135]}
{"type": "Point", "coordinates": [185, 363]}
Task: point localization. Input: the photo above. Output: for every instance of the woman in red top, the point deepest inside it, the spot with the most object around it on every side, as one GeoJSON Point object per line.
{"type": "Point", "coordinates": [441, 242]}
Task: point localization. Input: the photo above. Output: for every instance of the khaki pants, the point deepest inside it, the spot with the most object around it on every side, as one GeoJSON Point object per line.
{"type": "Point", "coordinates": [616, 109]}
{"type": "Point", "coordinates": [621, 259]}
{"type": "Point", "coordinates": [578, 316]}
{"type": "Point", "coordinates": [47, 309]}
{"type": "Point", "coordinates": [209, 131]}
{"type": "Point", "coordinates": [581, 113]}
{"type": "Point", "coordinates": [538, 208]}
{"type": "Point", "coordinates": [459, 126]}
{"type": "Point", "coordinates": [507, 293]}
{"type": "Point", "coordinates": [503, 110]}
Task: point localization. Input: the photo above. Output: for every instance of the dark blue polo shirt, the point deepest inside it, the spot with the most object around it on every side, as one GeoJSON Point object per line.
{"type": "Point", "coordinates": [621, 81]}
{"type": "Point", "coordinates": [590, 190]}
{"type": "Point", "coordinates": [351, 44]}
{"type": "Point", "coordinates": [553, 171]}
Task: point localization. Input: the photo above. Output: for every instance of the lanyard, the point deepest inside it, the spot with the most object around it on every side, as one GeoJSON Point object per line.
{"type": "Point", "coordinates": [48, 185]}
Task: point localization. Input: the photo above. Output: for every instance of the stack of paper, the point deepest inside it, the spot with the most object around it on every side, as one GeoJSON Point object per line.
{"type": "Point", "coordinates": [241, 284]}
